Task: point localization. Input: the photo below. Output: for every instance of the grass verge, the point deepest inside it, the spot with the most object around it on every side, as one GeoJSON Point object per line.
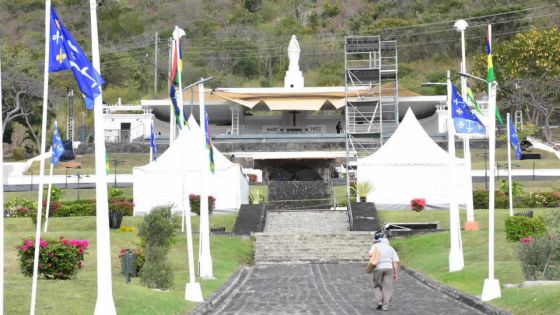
{"type": "Point", "coordinates": [78, 296]}
{"type": "Point", "coordinates": [428, 254]}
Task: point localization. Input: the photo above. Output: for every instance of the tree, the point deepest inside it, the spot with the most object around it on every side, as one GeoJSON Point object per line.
{"type": "Point", "coordinates": [528, 70]}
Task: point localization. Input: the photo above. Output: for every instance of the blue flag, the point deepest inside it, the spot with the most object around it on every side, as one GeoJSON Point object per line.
{"type": "Point", "coordinates": [464, 119]}
{"type": "Point", "coordinates": [57, 147]}
{"type": "Point", "coordinates": [66, 54]}
{"type": "Point", "coordinates": [153, 143]}
{"type": "Point", "coordinates": [514, 140]}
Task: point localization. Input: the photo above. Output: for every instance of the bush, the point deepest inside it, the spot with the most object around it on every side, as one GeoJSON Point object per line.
{"type": "Point", "coordinates": [195, 203]}
{"type": "Point", "coordinates": [540, 258]}
{"type": "Point", "coordinates": [19, 207]}
{"type": "Point", "coordinates": [77, 208]}
{"type": "Point", "coordinates": [521, 227]}
{"type": "Point", "coordinates": [157, 235]}
{"type": "Point", "coordinates": [60, 259]}
{"type": "Point", "coordinates": [480, 199]}
{"type": "Point", "coordinates": [18, 154]}
{"type": "Point", "coordinates": [542, 199]}
{"type": "Point", "coordinates": [115, 193]}
{"type": "Point", "coordinates": [552, 221]}
{"type": "Point", "coordinates": [54, 205]}
{"type": "Point", "coordinates": [122, 205]}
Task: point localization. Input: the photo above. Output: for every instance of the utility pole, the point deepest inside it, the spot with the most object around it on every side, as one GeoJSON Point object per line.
{"type": "Point", "coordinates": [155, 61]}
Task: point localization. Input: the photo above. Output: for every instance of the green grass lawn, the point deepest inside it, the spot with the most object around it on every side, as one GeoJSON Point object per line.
{"type": "Point", "coordinates": [548, 160]}
{"type": "Point", "coordinates": [126, 161]}
{"type": "Point", "coordinates": [78, 296]}
{"type": "Point", "coordinates": [428, 254]}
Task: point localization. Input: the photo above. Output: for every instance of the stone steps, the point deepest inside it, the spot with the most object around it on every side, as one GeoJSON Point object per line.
{"type": "Point", "coordinates": [306, 221]}
{"type": "Point", "coordinates": [338, 247]}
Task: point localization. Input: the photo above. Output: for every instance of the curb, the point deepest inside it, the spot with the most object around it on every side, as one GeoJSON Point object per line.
{"type": "Point", "coordinates": [222, 293]}
{"type": "Point", "coordinates": [463, 297]}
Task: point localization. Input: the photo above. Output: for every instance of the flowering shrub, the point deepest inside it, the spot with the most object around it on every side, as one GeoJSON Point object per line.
{"type": "Point", "coordinates": [418, 204]}
{"type": "Point", "coordinates": [19, 207]}
{"type": "Point", "coordinates": [540, 257]}
{"type": "Point", "coordinates": [59, 259]}
{"type": "Point", "coordinates": [54, 205]}
{"type": "Point", "coordinates": [518, 227]}
{"type": "Point", "coordinates": [195, 203]}
{"type": "Point", "coordinates": [122, 205]}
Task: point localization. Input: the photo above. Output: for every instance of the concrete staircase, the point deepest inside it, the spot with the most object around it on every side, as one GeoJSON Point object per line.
{"type": "Point", "coordinates": [336, 247]}
{"type": "Point", "coordinates": [308, 221]}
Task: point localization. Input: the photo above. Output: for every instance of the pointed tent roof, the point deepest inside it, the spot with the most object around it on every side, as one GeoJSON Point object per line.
{"type": "Point", "coordinates": [409, 145]}
{"type": "Point", "coordinates": [187, 152]}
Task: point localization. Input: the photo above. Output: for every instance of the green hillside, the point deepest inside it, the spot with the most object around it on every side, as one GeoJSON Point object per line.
{"type": "Point", "coordinates": [244, 42]}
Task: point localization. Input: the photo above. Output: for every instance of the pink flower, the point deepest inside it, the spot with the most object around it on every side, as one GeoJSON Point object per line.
{"type": "Point", "coordinates": [24, 248]}
{"type": "Point", "coordinates": [526, 240]}
{"type": "Point", "coordinates": [28, 243]}
{"type": "Point", "coordinates": [65, 242]}
{"type": "Point", "coordinates": [43, 243]}
{"type": "Point", "coordinates": [51, 254]}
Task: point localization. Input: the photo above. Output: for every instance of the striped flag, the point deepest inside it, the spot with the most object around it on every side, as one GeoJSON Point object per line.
{"type": "Point", "coordinates": [472, 100]}
{"type": "Point", "coordinates": [209, 144]}
{"type": "Point", "coordinates": [176, 69]}
{"type": "Point", "coordinates": [491, 77]}
{"type": "Point", "coordinates": [107, 163]}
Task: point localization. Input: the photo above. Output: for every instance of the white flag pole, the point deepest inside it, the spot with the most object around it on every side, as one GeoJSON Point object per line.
{"type": "Point", "coordinates": [41, 160]}
{"type": "Point", "coordinates": [510, 183]}
{"type": "Point", "coordinates": [48, 197]}
{"type": "Point", "coordinates": [177, 34]}
{"type": "Point", "coordinates": [193, 291]}
{"type": "Point", "coordinates": [491, 288]}
{"type": "Point", "coordinates": [205, 258]}
{"type": "Point", "coordinates": [2, 204]}
{"type": "Point", "coordinates": [105, 305]}
{"type": "Point", "coordinates": [456, 261]}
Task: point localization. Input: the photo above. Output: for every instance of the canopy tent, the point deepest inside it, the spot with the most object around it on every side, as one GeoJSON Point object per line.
{"type": "Point", "coordinates": [411, 165]}
{"type": "Point", "coordinates": [176, 174]}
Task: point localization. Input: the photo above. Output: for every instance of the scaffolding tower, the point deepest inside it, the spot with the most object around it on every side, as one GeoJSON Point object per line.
{"type": "Point", "coordinates": [371, 85]}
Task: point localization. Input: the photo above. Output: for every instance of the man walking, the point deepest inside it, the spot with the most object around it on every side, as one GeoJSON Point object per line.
{"type": "Point", "coordinates": [385, 272]}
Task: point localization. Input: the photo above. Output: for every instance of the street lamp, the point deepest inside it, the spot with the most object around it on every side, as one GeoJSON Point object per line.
{"type": "Point", "coordinates": [470, 224]}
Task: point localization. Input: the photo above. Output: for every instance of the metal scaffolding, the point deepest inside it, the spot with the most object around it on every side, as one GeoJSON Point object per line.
{"type": "Point", "coordinates": [371, 85]}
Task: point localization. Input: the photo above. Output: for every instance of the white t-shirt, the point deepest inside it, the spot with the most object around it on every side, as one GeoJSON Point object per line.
{"type": "Point", "coordinates": [387, 255]}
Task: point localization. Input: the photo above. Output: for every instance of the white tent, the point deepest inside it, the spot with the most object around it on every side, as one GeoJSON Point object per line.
{"type": "Point", "coordinates": [176, 174]}
{"type": "Point", "coordinates": [411, 165]}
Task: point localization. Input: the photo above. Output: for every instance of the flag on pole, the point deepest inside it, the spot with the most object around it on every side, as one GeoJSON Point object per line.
{"type": "Point", "coordinates": [107, 163]}
{"type": "Point", "coordinates": [176, 69]}
{"type": "Point", "coordinates": [464, 119]}
{"type": "Point", "coordinates": [472, 100]}
{"type": "Point", "coordinates": [153, 143]}
{"type": "Point", "coordinates": [491, 77]}
{"type": "Point", "coordinates": [66, 54]}
{"type": "Point", "coordinates": [57, 147]}
{"type": "Point", "coordinates": [209, 144]}
{"type": "Point", "coordinates": [514, 140]}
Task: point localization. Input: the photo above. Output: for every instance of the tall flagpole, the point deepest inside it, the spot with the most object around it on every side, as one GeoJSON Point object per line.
{"type": "Point", "coordinates": [1, 203]}
{"type": "Point", "coordinates": [510, 191]}
{"type": "Point", "coordinates": [193, 291]}
{"type": "Point", "coordinates": [205, 258]}
{"type": "Point", "coordinates": [105, 305]}
{"type": "Point", "coordinates": [177, 34]}
{"type": "Point", "coordinates": [48, 197]}
{"type": "Point", "coordinates": [171, 109]}
{"type": "Point", "coordinates": [41, 160]}
{"type": "Point", "coordinates": [491, 288]}
{"type": "Point", "coordinates": [456, 261]}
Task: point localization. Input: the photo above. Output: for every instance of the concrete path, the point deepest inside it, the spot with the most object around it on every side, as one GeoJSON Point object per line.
{"type": "Point", "coordinates": [329, 289]}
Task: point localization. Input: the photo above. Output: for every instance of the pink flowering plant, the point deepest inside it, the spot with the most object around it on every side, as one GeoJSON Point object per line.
{"type": "Point", "coordinates": [58, 259]}
{"type": "Point", "coordinates": [418, 204]}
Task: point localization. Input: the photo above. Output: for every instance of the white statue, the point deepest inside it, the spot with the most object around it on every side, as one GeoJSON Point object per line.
{"type": "Point", "coordinates": [293, 54]}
